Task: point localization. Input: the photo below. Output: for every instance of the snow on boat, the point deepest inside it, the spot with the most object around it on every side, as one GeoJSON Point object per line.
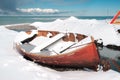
{"type": "Point", "coordinates": [59, 49]}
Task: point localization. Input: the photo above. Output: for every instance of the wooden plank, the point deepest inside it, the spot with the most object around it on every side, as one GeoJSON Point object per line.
{"type": "Point", "coordinates": [49, 42]}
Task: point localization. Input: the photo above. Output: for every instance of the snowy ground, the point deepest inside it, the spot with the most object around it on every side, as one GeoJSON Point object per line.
{"type": "Point", "coordinates": [14, 67]}
{"type": "Point", "coordinates": [97, 28]}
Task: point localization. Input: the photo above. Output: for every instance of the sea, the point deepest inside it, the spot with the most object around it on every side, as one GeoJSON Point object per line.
{"type": "Point", "coordinates": [8, 20]}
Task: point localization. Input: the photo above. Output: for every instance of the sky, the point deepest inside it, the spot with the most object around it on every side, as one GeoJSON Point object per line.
{"type": "Point", "coordinates": [60, 7]}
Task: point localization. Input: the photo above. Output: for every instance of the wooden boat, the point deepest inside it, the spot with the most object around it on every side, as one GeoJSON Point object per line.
{"type": "Point", "coordinates": [58, 49]}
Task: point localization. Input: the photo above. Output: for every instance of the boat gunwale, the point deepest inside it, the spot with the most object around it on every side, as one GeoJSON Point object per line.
{"type": "Point", "coordinates": [59, 54]}
{"type": "Point", "coordinates": [39, 58]}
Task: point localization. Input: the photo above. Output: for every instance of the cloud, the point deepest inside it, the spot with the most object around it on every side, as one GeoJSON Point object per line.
{"type": "Point", "coordinates": [9, 6]}
{"type": "Point", "coordinates": [38, 10]}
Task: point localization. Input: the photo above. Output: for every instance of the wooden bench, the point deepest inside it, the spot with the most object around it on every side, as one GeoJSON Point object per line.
{"type": "Point", "coordinates": [47, 43]}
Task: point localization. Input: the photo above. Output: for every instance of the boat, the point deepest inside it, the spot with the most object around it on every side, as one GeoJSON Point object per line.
{"type": "Point", "coordinates": [59, 49]}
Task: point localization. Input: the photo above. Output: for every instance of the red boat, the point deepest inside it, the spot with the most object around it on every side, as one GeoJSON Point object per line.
{"type": "Point", "coordinates": [58, 49]}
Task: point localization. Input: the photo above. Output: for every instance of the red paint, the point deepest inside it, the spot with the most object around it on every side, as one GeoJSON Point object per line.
{"type": "Point", "coordinates": [115, 17]}
{"type": "Point", "coordinates": [86, 56]}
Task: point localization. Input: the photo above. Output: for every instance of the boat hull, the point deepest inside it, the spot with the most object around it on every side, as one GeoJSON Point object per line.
{"type": "Point", "coordinates": [86, 56]}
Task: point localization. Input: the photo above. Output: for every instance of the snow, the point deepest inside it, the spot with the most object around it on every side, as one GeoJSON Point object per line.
{"type": "Point", "coordinates": [14, 67]}
{"type": "Point", "coordinates": [22, 36]}
{"type": "Point", "coordinates": [47, 43]}
{"type": "Point", "coordinates": [96, 28]}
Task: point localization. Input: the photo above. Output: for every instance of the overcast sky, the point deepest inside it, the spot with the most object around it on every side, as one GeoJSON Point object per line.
{"type": "Point", "coordinates": [60, 7]}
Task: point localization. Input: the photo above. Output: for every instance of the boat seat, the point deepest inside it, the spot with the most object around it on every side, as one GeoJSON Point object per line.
{"type": "Point", "coordinates": [60, 47]}
{"type": "Point", "coordinates": [47, 43]}
{"type": "Point", "coordinates": [27, 47]}
{"type": "Point", "coordinates": [71, 46]}
{"type": "Point", "coordinates": [39, 40]}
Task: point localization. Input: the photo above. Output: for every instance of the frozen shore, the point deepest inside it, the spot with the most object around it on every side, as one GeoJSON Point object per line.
{"type": "Point", "coordinates": [96, 28]}
{"type": "Point", "coordinates": [15, 67]}
{"type": "Point", "coordinates": [13, 64]}
{"type": "Point", "coordinates": [99, 29]}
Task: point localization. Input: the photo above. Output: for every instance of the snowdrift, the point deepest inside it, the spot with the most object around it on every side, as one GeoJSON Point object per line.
{"type": "Point", "coordinates": [97, 28]}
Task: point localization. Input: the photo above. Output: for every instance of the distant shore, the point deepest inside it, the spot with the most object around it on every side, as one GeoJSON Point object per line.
{"type": "Point", "coordinates": [21, 27]}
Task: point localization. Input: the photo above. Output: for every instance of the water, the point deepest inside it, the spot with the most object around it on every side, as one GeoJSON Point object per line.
{"type": "Point", "coordinates": [111, 55]}
{"type": "Point", "coordinates": [5, 20]}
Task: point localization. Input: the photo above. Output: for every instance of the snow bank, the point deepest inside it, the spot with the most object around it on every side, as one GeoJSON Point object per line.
{"type": "Point", "coordinates": [23, 35]}
{"type": "Point", "coordinates": [97, 28]}
{"type": "Point", "coordinates": [12, 64]}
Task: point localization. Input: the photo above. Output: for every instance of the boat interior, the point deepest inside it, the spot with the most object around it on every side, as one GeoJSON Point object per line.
{"type": "Point", "coordinates": [54, 43]}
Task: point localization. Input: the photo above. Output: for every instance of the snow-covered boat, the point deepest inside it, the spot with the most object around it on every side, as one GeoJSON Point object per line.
{"type": "Point", "coordinates": [58, 49]}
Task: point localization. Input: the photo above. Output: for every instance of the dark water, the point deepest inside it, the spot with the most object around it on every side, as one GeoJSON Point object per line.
{"type": "Point", "coordinates": [29, 19]}
{"type": "Point", "coordinates": [111, 55]}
